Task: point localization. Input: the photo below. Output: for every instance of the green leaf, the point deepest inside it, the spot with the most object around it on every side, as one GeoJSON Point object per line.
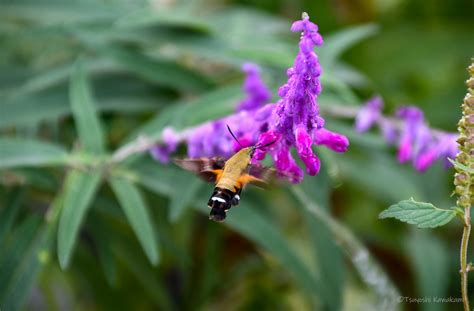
{"type": "Point", "coordinates": [137, 214]}
{"type": "Point", "coordinates": [51, 105]}
{"type": "Point", "coordinates": [18, 255]}
{"type": "Point", "coordinates": [79, 192]}
{"type": "Point", "coordinates": [84, 111]}
{"type": "Point", "coordinates": [338, 43]}
{"type": "Point", "coordinates": [391, 181]}
{"type": "Point", "coordinates": [180, 200]}
{"type": "Point", "coordinates": [152, 283]}
{"type": "Point", "coordinates": [424, 215]}
{"type": "Point", "coordinates": [27, 152]}
{"type": "Point", "coordinates": [160, 70]}
{"type": "Point", "coordinates": [104, 248]}
{"type": "Point", "coordinates": [461, 166]}
{"type": "Point", "coordinates": [22, 263]}
{"type": "Point", "coordinates": [10, 212]}
{"type": "Point", "coordinates": [148, 18]}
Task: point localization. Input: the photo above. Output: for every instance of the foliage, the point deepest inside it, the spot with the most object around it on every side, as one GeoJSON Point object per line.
{"type": "Point", "coordinates": [81, 82]}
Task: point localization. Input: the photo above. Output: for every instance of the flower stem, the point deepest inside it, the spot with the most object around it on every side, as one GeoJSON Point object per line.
{"type": "Point", "coordinates": [463, 180]}
{"type": "Point", "coordinates": [464, 265]}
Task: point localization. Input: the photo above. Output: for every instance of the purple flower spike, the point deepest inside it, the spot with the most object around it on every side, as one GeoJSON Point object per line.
{"type": "Point", "coordinates": [257, 93]}
{"type": "Point", "coordinates": [292, 122]}
{"type": "Point", "coordinates": [297, 119]}
{"type": "Point", "coordinates": [417, 142]}
{"type": "Point", "coordinates": [161, 152]}
{"type": "Point", "coordinates": [369, 114]}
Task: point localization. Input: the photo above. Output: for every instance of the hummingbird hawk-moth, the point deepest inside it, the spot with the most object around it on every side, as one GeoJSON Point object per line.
{"type": "Point", "coordinates": [230, 177]}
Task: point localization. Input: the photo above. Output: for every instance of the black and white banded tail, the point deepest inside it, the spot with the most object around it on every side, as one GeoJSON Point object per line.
{"type": "Point", "coordinates": [221, 201]}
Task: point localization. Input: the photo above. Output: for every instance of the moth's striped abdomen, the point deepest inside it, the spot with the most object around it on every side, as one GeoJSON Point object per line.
{"type": "Point", "coordinates": [220, 201]}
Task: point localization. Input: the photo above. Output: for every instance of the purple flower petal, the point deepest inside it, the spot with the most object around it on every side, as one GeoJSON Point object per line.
{"type": "Point", "coordinates": [426, 159]}
{"type": "Point", "coordinates": [333, 141]}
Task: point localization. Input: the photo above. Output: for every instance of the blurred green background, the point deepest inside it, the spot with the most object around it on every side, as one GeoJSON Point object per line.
{"type": "Point", "coordinates": [79, 230]}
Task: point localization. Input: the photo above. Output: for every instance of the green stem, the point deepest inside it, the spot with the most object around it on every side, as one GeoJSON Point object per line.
{"type": "Point", "coordinates": [464, 265]}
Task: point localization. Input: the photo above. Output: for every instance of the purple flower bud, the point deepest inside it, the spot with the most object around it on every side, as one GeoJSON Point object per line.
{"type": "Point", "coordinates": [303, 147]}
{"type": "Point", "coordinates": [426, 158]}
{"type": "Point", "coordinates": [333, 141]}
{"type": "Point", "coordinates": [404, 149]}
{"type": "Point", "coordinates": [257, 93]}
{"type": "Point", "coordinates": [369, 114]}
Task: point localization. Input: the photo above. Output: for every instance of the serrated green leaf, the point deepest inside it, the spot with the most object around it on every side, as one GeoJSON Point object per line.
{"type": "Point", "coordinates": [137, 214]}
{"type": "Point", "coordinates": [79, 192]}
{"type": "Point", "coordinates": [84, 111]}
{"type": "Point", "coordinates": [424, 215]}
{"type": "Point", "coordinates": [27, 152]}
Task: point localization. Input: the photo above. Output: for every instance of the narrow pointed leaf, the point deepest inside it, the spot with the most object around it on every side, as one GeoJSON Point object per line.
{"type": "Point", "coordinates": [21, 264]}
{"type": "Point", "coordinates": [27, 152]}
{"type": "Point", "coordinates": [137, 214]}
{"type": "Point", "coordinates": [159, 70]}
{"type": "Point", "coordinates": [9, 214]}
{"type": "Point", "coordinates": [424, 215]}
{"type": "Point", "coordinates": [79, 193]}
{"type": "Point", "coordinates": [180, 200]}
{"type": "Point", "coordinates": [84, 111]}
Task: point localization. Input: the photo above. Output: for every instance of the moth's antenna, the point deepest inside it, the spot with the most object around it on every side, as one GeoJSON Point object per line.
{"type": "Point", "coordinates": [269, 144]}
{"type": "Point", "coordinates": [230, 131]}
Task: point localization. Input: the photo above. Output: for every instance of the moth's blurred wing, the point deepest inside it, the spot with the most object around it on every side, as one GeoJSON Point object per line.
{"type": "Point", "coordinates": [209, 169]}
{"type": "Point", "coordinates": [259, 176]}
